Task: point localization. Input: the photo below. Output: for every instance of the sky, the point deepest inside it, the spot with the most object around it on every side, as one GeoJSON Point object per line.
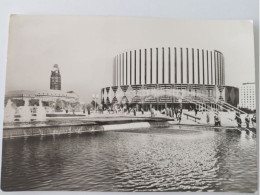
{"type": "Point", "coordinates": [85, 47]}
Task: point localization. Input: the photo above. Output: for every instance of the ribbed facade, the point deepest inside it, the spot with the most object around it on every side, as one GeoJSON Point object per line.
{"type": "Point", "coordinates": [169, 65]}
{"type": "Point", "coordinates": [166, 76]}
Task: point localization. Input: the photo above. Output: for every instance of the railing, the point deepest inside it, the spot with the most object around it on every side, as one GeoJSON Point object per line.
{"type": "Point", "coordinates": [195, 117]}
{"type": "Point", "coordinates": [211, 101]}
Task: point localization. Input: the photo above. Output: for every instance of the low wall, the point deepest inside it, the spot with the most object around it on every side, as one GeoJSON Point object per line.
{"type": "Point", "coordinates": [12, 132]}
{"type": "Point", "coordinates": [79, 128]}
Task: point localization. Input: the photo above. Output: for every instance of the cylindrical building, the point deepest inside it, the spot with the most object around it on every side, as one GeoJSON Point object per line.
{"type": "Point", "coordinates": [169, 65]}
{"type": "Point", "coordinates": [154, 75]}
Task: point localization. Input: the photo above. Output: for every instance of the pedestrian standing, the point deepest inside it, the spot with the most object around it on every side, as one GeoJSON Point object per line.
{"type": "Point", "coordinates": [253, 119]}
{"type": "Point", "coordinates": [166, 111]}
{"type": "Point", "coordinates": [142, 110]}
{"type": "Point", "coordinates": [207, 118]}
{"type": "Point", "coordinates": [247, 119]}
{"type": "Point", "coordinates": [134, 111]}
{"type": "Point", "coordinates": [217, 120]}
{"type": "Point", "coordinates": [238, 119]}
{"type": "Point", "coordinates": [176, 112]}
{"type": "Point", "coordinates": [152, 112]}
{"type": "Point", "coordinates": [179, 116]}
{"type": "Point", "coordinates": [170, 112]}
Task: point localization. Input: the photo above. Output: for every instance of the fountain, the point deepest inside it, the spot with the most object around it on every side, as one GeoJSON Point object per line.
{"type": "Point", "coordinates": [25, 112]}
{"type": "Point", "coordinates": [9, 112]}
{"type": "Point", "coordinates": [41, 112]}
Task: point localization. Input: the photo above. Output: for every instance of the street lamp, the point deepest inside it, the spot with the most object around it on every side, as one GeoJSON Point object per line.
{"type": "Point", "coordinates": [95, 97]}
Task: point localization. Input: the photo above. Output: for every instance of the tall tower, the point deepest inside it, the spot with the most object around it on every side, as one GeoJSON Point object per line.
{"type": "Point", "coordinates": [55, 81]}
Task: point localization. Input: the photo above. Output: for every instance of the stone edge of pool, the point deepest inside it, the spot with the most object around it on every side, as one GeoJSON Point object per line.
{"type": "Point", "coordinates": [24, 131]}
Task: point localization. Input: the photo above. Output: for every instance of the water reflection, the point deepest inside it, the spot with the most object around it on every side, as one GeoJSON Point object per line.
{"type": "Point", "coordinates": [136, 160]}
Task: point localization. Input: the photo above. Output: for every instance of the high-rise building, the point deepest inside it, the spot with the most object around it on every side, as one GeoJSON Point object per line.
{"type": "Point", "coordinates": [55, 80]}
{"type": "Point", "coordinates": [247, 96]}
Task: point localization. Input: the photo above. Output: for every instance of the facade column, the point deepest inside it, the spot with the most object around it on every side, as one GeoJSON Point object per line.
{"type": "Point", "coordinates": [181, 67]}
{"type": "Point", "coordinates": [116, 71]}
{"type": "Point", "coordinates": [223, 62]}
{"type": "Point", "coordinates": [211, 63]}
{"type": "Point", "coordinates": [145, 67]}
{"type": "Point", "coordinates": [169, 61]}
{"type": "Point", "coordinates": [175, 64]}
{"type": "Point", "coordinates": [187, 56]}
{"type": "Point", "coordinates": [193, 71]}
{"type": "Point", "coordinates": [140, 65]}
{"type": "Point", "coordinates": [215, 67]}
{"type": "Point", "coordinates": [126, 68]}
{"type": "Point", "coordinates": [135, 69]}
{"type": "Point", "coordinates": [207, 67]}
{"type": "Point", "coordinates": [163, 65]}
{"type": "Point", "coordinates": [119, 69]}
{"type": "Point", "coordinates": [151, 65]}
{"type": "Point", "coordinates": [123, 64]}
{"type": "Point", "coordinates": [203, 68]}
{"type": "Point", "coordinates": [157, 70]}
{"type": "Point", "coordinates": [198, 56]}
{"type": "Point", "coordinates": [130, 67]}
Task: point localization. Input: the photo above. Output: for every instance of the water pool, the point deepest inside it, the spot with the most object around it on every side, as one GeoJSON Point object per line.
{"type": "Point", "coordinates": [132, 160]}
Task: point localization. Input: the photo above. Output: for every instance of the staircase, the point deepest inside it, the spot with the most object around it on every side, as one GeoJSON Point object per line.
{"type": "Point", "coordinates": [212, 106]}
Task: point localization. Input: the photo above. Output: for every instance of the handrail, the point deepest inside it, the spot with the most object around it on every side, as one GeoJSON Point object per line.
{"type": "Point", "coordinates": [207, 107]}
{"type": "Point", "coordinates": [192, 101]}
{"type": "Point", "coordinates": [234, 108]}
{"type": "Point", "coordinates": [225, 103]}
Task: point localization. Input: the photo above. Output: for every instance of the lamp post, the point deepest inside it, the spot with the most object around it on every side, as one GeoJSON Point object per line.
{"type": "Point", "coordinates": [95, 97]}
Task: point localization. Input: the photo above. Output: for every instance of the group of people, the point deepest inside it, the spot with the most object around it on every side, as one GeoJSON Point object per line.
{"type": "Point", "coordinates": [247, 120]}
{"type": "Point", "coordinates": [171, 111]}
{"type": "Point", "coordinates": [128, 110]}
{"type": "Point", "coordinates": [238, 119]}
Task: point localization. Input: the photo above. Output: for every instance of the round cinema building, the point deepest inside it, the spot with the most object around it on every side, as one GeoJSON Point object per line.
{"type": "Point", "coordinates": [168, 76]}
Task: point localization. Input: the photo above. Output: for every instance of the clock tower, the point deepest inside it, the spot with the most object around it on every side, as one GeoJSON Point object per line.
{"type": "Point", "coordinates": [55, 80]}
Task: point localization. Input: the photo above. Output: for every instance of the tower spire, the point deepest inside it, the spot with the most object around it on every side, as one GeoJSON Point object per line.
{"type": "Point", "coordinates": [55, 80]}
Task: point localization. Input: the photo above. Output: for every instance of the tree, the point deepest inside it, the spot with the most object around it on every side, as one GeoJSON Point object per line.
{"type": "Point", "coordinates": [93, 104]}
{"type": "Point", "coordinates": [89, 106]}
{"type": "Point", "coordinates": [59, 105]}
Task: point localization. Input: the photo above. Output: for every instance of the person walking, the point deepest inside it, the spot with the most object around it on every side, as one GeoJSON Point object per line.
{"type": "Point", "coordinates": [196, 111]}
{"type": "Point", "coordinates": [170, 112]}
{"type": "Point", "coordinates": [152, 112]}
{"type": "Point", "coordinates": [179, 116]}
{"type": "Point", "coordinates": [142, 110]}
{"type": "Point", "coordinates": [247, 119]}
{"type": "Point", "coordinates": [166, 111]}
{"type": "Point", "coordinates": [207, 118]}
{"type": "Point", "coordinates": [176, 112]}
{"type": "Point", "coordinates": [253, 119]}
{"type": "Point", "coordinates": [217, 120]}
{"type": "Point", "coordinates": [238, 119]}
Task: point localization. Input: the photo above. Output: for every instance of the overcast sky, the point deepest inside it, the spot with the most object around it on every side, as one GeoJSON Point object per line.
{"type": "Point", "coordinates": [84, 47]}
